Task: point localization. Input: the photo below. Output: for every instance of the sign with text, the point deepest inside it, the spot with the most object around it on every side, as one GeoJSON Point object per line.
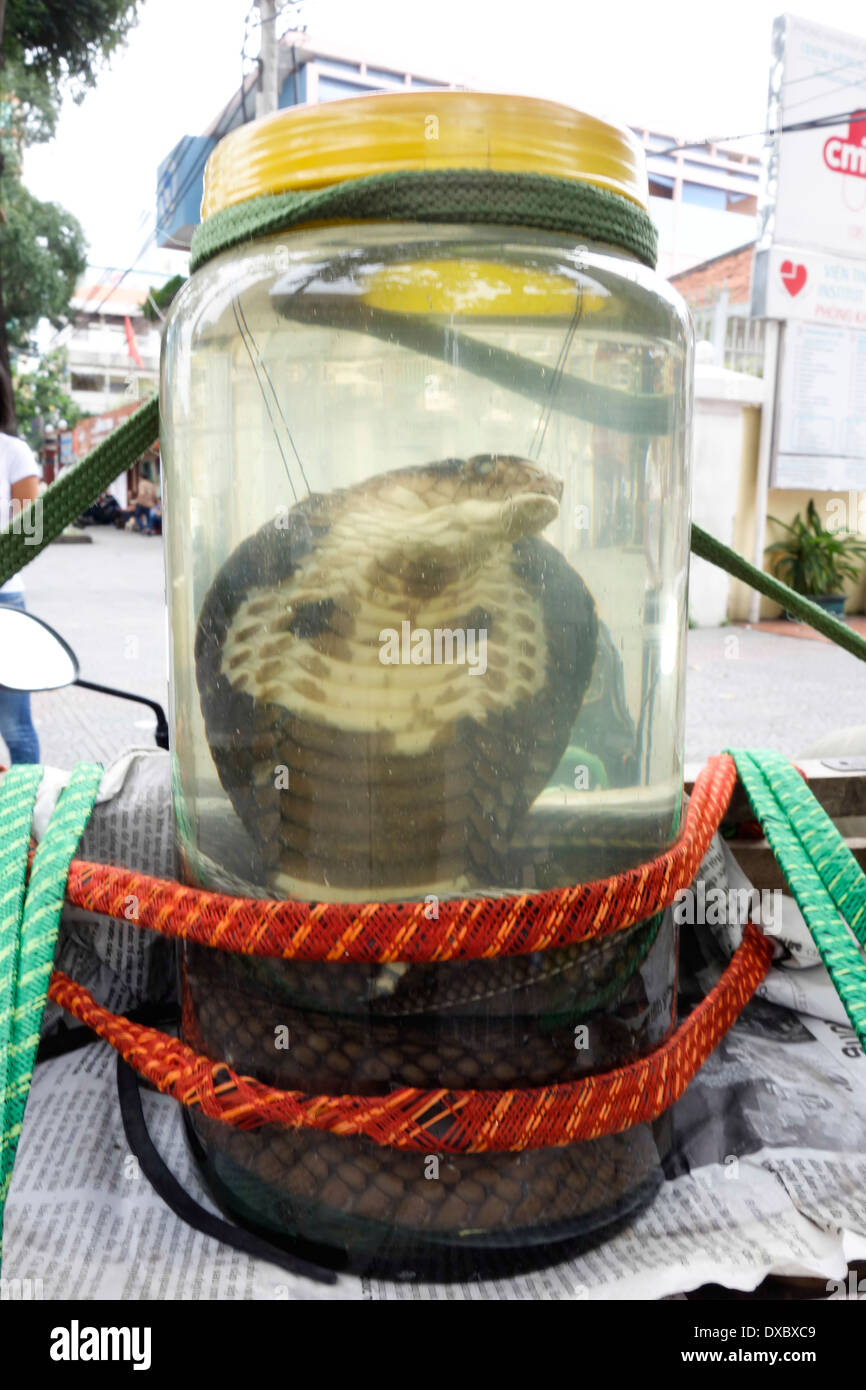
{"type": "Point", "coordinates": [810, 257]}
{"type": "Point", "coordinates": [791, 283]}
{"type": "Point", "coordinates": [821, 422]}
{"type": "Point", "coordinates": [816, 175]}
{"type": "Point", "coordinates": [94, 428]}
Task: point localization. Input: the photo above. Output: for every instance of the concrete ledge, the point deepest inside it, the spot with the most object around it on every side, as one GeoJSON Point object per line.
{"type": "Point", "coordinates": [72, 537]}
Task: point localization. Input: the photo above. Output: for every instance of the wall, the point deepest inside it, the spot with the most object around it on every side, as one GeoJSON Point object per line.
{"type": "Point", "coordinates": [689, 235]}
{"type": "Point", "coordinates": [725, 438]}
{"type": "Point", "coordinates": [703, 283]}
{"type": "Point", "coordinates": [785, 503]}
{"type": "Point", "coordinates": [744, 525]}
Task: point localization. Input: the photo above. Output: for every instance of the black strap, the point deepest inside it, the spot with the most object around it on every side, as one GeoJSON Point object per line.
{"type": "Point", "coordinates": [166, 1186]}
{"type": "Point", "coordinates": [64, 1039]}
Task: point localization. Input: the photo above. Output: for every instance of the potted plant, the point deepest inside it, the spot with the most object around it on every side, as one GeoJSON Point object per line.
{"type": "Point", "coordinates": [815, 561]}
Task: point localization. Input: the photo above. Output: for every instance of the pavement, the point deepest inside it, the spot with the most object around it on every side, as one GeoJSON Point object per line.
{"type": "Point", "coordinates": [107, 600]}
{"type": "Point", "coordinates": [767, 686]}
{"type": "Point", "coordinates": [753, 687]}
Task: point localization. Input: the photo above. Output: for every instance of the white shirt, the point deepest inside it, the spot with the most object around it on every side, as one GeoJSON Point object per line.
{"type": "Point", "coordinates": [17, 461]}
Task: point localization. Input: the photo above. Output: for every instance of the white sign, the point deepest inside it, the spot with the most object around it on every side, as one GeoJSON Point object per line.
{"type": "Point", "coordinates": [817, 176]}
{"type": "Point", "coordinates": [791, 283]}
{"type": "Point", "coordinates": [821, 425]}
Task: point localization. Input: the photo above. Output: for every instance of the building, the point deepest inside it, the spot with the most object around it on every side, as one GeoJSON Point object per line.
{"type": "Point", "coordinates": [701, 199]}
{"type": "Point", "coordinates": [731, 271]}
{"type": "Point", "coordinates": [718, 292]}
{"type": "Point", "coordinates": [307, 75]}
{"type": "Point", "coordinates": [112, 349]}
{"type": "Point", "coordinates": [112, 364]}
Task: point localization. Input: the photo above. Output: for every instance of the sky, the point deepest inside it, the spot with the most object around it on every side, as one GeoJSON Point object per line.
{"type": "Point", "coordinates": [692, 68]}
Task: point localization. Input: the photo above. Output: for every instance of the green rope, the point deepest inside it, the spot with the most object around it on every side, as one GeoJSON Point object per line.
{"type": "Point", "coordinates": [17, 800]}
{"type": "Point", "coordinates": [826, 849]}
{"type": "Point", "coordinates": [77, 487]}
{"type": "Point", "coordinates": [573, 395]}
{"type": "Point", "coordinates": [819, 868]}
{"type": "Point", "coordinates": [28, 930]}
{"type": "Point", "coordinates": [441, 195]}
{"type": "Point", "coordinates": [708, 548]}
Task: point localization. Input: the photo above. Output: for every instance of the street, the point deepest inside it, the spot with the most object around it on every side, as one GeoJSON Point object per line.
{"type": "Point", "coordinates": [745, 687]}
{"type": "Point", "coordinates": [107, 600]}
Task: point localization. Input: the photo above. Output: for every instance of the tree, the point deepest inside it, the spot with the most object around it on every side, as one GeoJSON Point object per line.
{"type": "Point", "coordinates": [158, 300]}
{"type": "Point", "coordinates": [48, 48]}
{"type": "Point", "coordinates": [43, 255]}
{"type": "Point", "coordinates": [66, 40]}
{"type": "Point", "coordinates": [41, 399]}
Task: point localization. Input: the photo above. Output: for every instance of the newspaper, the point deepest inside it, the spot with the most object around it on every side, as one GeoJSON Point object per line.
{"type": "Point", "coordinates": [766, 1175]}
{"type": "Point", "coordinates": [800, 981]}
{"type": "Point", "coordinates": [131, 824]}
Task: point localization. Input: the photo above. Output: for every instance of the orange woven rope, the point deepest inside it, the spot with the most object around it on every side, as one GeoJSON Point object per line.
{"type": "Point", "coordinates": [442, 1121]}
{"type": "Point", "coordinates": [466, 928]}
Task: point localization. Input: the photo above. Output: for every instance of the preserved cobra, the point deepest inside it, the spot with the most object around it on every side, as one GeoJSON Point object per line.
{"type": "Point", "coordinates": [359, 777]}
{"type": "Point", "coordinates": [406, 778]}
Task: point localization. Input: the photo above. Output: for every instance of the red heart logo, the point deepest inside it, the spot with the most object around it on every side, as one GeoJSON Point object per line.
{"type": "Point", "coordinates": [793, 277]}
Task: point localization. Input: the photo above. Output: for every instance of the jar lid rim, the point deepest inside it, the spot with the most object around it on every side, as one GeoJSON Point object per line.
{"type": "Point", "coordinates": [303, 148]}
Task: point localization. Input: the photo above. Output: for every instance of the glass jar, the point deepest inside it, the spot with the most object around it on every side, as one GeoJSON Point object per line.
{"type": "Point", "coordinates": [427, 522]}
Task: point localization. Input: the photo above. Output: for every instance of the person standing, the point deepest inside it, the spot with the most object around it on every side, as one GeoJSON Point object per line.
{"type": "Point", "coordinates": [19, 481]}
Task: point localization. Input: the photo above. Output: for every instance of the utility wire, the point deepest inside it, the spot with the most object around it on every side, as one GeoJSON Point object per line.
{"type": "Point", "coordinates": [240, 105]}
{"type": "Point", "coordinates": [825, 72]}
{"type": "Point", "coordinates": [843, 86]}
{"type": "Point", "coordinates": [187, 183]}
{"type": "Point", "coordinates": [815, 123]}
{"type": "Point", "coordinates": [145, 214]}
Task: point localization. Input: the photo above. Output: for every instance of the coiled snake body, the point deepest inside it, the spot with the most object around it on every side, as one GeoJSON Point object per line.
{"type": "Point", "coordinates": [360, 774]}
{"type": "Point", "coordinates": [407, 777]}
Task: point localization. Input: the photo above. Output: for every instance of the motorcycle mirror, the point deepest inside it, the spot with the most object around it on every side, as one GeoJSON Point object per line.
{"type": "Point", "coordinates": [32, 655]}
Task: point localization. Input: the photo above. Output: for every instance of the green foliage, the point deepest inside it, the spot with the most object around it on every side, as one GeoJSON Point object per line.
{"type": "Point", "coordinates": [813, 560]}
{"type": "Point", "coordinates": [40, 397]}
{"type": "Point", "coordinates": [49, 48]}
{"type": "Point", "coordinates": [29, 110]}
{"type": "Point", "coordinates": [66, 40]}
{"type": "Point", "coordinates": [43, 253]}
{"type": "Point", "coordinates": [161, 298]}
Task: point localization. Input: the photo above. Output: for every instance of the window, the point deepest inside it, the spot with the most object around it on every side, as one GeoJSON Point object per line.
{"type": "Point", "coordinates": [331, 89]}
{"type": "Point", "coordinates": [117, 385]}
{"type": "Point", "coordinates": [742, 202]}
{"type": "Point", "coordinates": [79, 381]}
{"type": "Point", "coordinates": [700, 195]}
{"type": "Point", "coordinates": [382, 75]}
{"type": "Point", "coordinates": [341, 66]}
{"type": "Point", "coordinates": [660, 187]}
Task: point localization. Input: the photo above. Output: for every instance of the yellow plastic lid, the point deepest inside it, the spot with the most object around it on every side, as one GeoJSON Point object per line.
{"type": "Point", "coordinates": [488, 289]}
{"type": "Point", "coordinates": [311, 147]}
